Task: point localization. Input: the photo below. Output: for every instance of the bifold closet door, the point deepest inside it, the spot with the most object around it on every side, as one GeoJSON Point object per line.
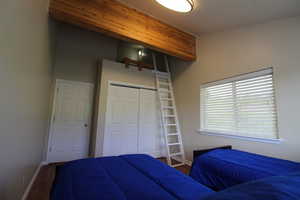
{"type": "Point", "coordinates": [122, 118]}
{"type": "Point", "coordinates": [150, 135]}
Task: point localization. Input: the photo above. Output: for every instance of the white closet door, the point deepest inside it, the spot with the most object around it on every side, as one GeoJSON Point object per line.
{"type": "Point", "coordinates": [150, 134]}
{"type": "Point", "coordinates": [121, 134]}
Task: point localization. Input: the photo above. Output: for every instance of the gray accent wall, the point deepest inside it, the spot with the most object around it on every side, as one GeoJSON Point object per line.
{"type": "Point", "coordinates": [78, 57]}
{"type": "Point", "coordinates": [78, 51]}
{"type": "Point", "coordinates": [25, 77]}
{"type": "Point", "coordinates": [246, 49]}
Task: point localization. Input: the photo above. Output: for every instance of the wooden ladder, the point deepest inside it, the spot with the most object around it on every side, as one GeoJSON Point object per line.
{"type": "Point", "coordinates": [170, 124]}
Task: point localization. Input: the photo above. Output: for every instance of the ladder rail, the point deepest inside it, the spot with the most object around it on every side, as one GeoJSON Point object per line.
{"type": "Point", "coordinates": [175, 111]}
{"type": "Point", "coordinates": [165, 131]}
{"type": "Point", "coordinates": [166, 124]}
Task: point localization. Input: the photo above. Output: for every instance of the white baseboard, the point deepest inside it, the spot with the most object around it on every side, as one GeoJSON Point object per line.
{"type": "Point", "coordinates": [32, 180]}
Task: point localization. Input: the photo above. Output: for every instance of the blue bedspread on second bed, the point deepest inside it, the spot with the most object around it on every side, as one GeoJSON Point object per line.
{"type": "Point", "coordinates": [223, 168]}
{"type": "Point", "coordinates": [129, 177]}
{"type": "Point", "coordinates": [271, 188]}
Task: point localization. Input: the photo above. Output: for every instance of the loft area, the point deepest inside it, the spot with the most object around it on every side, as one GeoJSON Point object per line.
{"type": "Point", "coordinates": [139, 56]}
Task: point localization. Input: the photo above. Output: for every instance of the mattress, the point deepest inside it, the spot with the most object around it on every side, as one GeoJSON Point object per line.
{"type": "Point", "coordinates": [130, 177]}
{"type": "Point", "coordinates": [223, 168]}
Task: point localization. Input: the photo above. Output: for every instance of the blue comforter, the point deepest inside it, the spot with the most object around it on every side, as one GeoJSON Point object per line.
{"type": "Point", "coordinates": [220, 169]}
{"type": "Point", "coordinates": [272, 188]}
{"type": "Point", "coordinates": [130, 177]}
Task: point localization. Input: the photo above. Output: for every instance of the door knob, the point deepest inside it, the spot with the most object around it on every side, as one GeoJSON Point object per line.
{"type": "Point", "coordinates": [85, 125]}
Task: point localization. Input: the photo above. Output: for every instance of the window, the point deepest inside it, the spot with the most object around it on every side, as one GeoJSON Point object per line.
{"type": "Point", "coordinates": [240, 106]}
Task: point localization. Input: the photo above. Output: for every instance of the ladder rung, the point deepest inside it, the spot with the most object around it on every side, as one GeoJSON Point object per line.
{"type": "Point", "coordinates": [164, 83]}
{"type": "Point", "coordinates": [172, 144]}
{"type": "Point", "coordinates": [176, 154]}
{"type": "Point", "coordinates": [163, 73]}
{"type": "Point", "coordinates": [171, 124]}
{"type": "Point", "coordinates": [164, 91]}
{"type": "Point", "coordinates": [178, 165]}
{"type": "Point", "coordinates": [172, 134]}
{"type": "Point", "coordinates": [163, 77]}
{"type": "Point", "coordinates": [168, 107]}
{"type": "Point", "coordinates": [166, 99]}
{"type": "Point", "coordinates": [170, 116]}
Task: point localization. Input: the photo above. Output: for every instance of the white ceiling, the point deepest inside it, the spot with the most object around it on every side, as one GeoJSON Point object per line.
{"type": "Point", "coordinates": [218, 15]}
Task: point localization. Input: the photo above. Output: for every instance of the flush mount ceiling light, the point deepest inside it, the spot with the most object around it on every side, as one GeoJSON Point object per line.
{"type": "Point", "coordinates": [183, 6]}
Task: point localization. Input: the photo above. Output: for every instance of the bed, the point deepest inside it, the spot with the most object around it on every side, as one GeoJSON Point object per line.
{"type": "Point", "coordinates": [130, 177]}
{"type": "Point", "coordinates": [219, 169]}
{"type": "Point", "coordinates": [272, 188]}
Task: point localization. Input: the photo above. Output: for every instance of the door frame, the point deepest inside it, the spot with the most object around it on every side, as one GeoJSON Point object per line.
{"type": "Point", "coordinates": [118, 84]}
{"type": "Point", "coordinates": [53, 109]}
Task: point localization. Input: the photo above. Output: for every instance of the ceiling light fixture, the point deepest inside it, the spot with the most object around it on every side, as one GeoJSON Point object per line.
{"type": "Point", "coordinates": [183, 6]}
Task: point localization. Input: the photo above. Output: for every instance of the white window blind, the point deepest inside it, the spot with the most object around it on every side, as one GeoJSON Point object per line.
{"type": "Point", "coordinates": [240, 106]}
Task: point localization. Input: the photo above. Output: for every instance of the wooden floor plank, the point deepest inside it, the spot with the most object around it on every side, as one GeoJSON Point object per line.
{"type": "Point", "coordinates": [184, 169]}
{"type": "Point", "coordinates": [41, 187]}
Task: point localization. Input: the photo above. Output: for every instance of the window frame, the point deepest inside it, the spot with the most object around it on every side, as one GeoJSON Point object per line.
{"type": "Point", "coordinates": [263, 72]}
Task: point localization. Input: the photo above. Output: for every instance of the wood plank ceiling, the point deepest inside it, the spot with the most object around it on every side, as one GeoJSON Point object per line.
{"type": "Point", "coordinates": [117, 20]}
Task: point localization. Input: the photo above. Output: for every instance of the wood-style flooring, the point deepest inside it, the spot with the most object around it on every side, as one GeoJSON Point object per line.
{"type": "Point", "coordinates": [41, 187]}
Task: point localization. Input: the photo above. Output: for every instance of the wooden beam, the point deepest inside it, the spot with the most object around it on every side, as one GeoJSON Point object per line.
{"type": "Point", "coordinates": [117, 20]}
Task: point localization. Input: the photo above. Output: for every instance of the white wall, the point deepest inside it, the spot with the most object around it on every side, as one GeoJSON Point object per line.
{"type": "Point", "coordinates": [25, 75]}
{"type": "Point", "coordinates": [114, 71]}
{"type": "Point", "coordinates": [77, 53]}
{"type": "Point", "coordinates": [229, 53]}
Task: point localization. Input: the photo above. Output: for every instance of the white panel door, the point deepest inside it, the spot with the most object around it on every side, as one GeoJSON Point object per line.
{"type": "Point", "coordinates": [121, 131]}
{"type": "Point", "coordinates": [150, 134]}
{"type": "Point", "coordinates": [70, 130]}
